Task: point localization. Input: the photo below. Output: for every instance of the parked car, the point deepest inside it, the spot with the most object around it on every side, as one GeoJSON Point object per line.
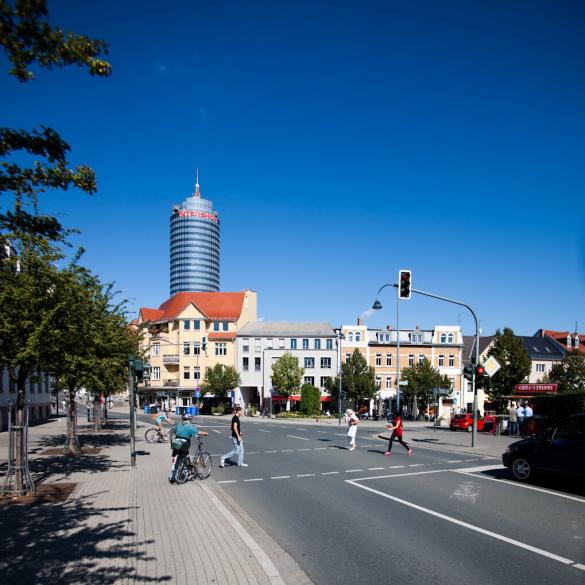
{"type": "Point", "coordinates": [464, 422]}
{"type": "Point", "coordinates": [559, 450]}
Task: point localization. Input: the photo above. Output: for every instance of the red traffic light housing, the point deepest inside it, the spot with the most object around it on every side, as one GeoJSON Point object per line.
{"type": "Point", "coordinates": [404, 284]}
{"type": "Point", "coordinates": [480, 372]}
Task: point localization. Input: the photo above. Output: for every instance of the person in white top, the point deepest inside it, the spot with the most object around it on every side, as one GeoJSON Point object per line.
{"type": "Point", "coordinates": [528, 414]}
{"type": "Point", "coordinates": [519, 417]}
{"type": "Point", "coordinates": [352, 423]}
{"type": "Point", "coordinates": [512, 420]}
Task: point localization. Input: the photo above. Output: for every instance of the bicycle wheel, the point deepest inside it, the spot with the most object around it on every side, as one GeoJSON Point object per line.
{"type": "Point", "coordinates": [181, 470]}
{"type": "Point", "coordinates": [151, 436]}
{"type": "Point", "coordinates": [203, 465]}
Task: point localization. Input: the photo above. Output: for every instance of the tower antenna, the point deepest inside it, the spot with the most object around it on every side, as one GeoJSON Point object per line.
{"type": "Point", "coordinates": [197, 193]}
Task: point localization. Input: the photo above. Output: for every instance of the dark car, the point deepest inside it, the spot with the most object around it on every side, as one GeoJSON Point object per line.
{"type": "Point", "coordinates": [558, 451]}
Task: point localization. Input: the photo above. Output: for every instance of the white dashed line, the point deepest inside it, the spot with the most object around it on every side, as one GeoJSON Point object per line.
{"type": "Point", "coordinates": [295, 437]}
{"type": "Point", "coordinates": [415, 464]}
{"type": "Point", "coordinates": [216, 431]}
{"type": "Point", "coordinates": [329, 472]}
{"type": "Point", "coordinates": [287, 450]}
{"type": "Point", "coordinates": [281, 477]}
{"type": "Point", "coordinates": [263, 431]}
{"type": "Point", "coordinates": [375, 468]}
{"type": "Point", "coordinates": [255, 479]}
{"type": "Point", "coordinates": [455, 461]}
{"type": "Point", "coordinates": [228, 481]}
{"type": "Point", "coordinates": [319, 448]}
{"type": "Point", "coordinates": [306, 475]}
{"type": "Point", "coordinates": [352, 470]}
{"type": "Point", "coordinates": [270, 451]}
{"type": "Point", "coordinates": [395, 466]}
{"type": "Point", "coordinates": [304, 449]}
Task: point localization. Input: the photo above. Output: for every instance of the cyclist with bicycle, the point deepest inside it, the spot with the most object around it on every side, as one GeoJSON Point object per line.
{"type": "Point", "coordinates": [161, 417]}
{"type": "Point", "coordinates": [182, 442]}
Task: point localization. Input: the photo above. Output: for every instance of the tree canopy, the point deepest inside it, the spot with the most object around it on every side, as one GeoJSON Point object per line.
{"type": "Point", "coordinates": [569, 374]}
{"type": "Point", "coordinates": [220, 379]}
{"type": "Point", "coordinates": [287, 374]}
{"type": "Point", "coordinates": [358, 380]}
{"type": "Point", "coordinates": [422, 378]}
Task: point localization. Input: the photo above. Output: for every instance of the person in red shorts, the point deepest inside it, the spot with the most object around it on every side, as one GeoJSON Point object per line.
{"type": "Point", "coordinates": [396, 429]}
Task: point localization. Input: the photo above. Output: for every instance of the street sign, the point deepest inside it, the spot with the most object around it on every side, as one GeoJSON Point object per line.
{"type": "Point", "coordinates": [197, 392]}
{"type": "Point", "coordinates": [403, 383]}
{"type": "Point", "coordinates": [536, 388]}
{"type": "Point", "coordinates": [491, 366]}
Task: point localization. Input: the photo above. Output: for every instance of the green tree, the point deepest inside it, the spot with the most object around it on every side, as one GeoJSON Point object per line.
{"type": "Point", "coordinates": [511, 355]}
{"type": "Point", "coordinates": [358, 380]}
{"type": "Point", "coordinates": [569, 374]}
{"type": "Point", "coordinates": [310, 400]}
{"type": "Point", "coordinates": [219, 380]}
{"type": "Point", "coordinates": [286, 374]}
{"type": "Point", "coordinates": [422, 378]}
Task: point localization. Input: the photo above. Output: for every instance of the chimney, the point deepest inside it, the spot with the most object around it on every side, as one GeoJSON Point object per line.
{"type": "Point", "coordinates": [360, 321]}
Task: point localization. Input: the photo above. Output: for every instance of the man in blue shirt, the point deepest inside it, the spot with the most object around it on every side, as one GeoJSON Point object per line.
{"type": "Point", "coordinates": [184, 431]}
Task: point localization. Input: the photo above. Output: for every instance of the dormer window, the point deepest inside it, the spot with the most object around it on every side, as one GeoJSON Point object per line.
{"type": "Point", "coordinates": [443, 338]}
{"type": "Point", "coordinates": [569, 341]}
{"type": "Point", "coordinates": [358, 337]}
{"type": "Point", "coordinates": [450, 338]}
{"type": "Point", "coordinates": [350, 337]}
{"type": "Point", "coordinates": [577, 341]}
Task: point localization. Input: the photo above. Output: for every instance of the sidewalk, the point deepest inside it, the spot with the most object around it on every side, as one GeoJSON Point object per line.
{"type": "Point", "coordinates": [129, 525]}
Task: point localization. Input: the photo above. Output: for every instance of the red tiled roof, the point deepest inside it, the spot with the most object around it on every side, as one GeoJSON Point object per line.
{"type": "Point", "coordinates": [561, 337]}
{"type": "Point", "coordinates": [221, 335]}
{"type": "Point", "coordinates": [226, 306]}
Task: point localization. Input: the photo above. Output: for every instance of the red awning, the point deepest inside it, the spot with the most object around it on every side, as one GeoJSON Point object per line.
{"type": "Point", "coordinates": [297, 398]}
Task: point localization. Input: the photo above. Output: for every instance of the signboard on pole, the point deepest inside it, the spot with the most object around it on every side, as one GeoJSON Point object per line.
{"type": "Point", "coordinates": [536, 388]}
{"type": "Point", "coordinates": [491, 366]}
{"type": "Point", "coordinates": [197, 392]}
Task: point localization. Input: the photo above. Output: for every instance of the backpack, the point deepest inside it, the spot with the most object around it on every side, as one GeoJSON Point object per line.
{"type": "Point", "coordinates": [180, 445]}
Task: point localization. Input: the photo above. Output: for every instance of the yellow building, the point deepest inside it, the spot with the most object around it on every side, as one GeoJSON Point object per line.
{"type": "Point", "coordinates": [186, 335]}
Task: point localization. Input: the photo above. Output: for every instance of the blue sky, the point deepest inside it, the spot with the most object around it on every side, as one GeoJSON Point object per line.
{"type": "Point", "coordinates": [339, 141]}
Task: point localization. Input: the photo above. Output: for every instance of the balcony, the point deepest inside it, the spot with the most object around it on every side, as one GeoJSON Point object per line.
{"type": "Point", "coordinates": [170, 359]}
{"type": "Point", "coordinates": [171, 382]}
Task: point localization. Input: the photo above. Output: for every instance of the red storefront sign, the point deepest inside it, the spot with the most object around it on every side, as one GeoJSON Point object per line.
{"type": "Point", "coordinates": [536, 388]}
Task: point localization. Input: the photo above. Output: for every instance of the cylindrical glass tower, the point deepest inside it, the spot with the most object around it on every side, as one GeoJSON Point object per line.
{"type": "Point", "coordinates": [194, 246]}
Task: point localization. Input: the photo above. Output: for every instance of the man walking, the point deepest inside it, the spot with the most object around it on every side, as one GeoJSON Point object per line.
{"type": "Point", "coordinates": [237, 443]}
{"type": "Point", "coordinates": [520, 418]}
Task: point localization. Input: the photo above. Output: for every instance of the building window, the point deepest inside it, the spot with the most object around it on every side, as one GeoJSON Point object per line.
{"type": "Point", "coordinates": [540, 368]}
{"type": "Point", "coordinates": [421, 358]}
{"type": "Point", "coordinates": [443, 338]}
{"type": "Point", "coordinates": [246, 345]}
{"type": "Point", "coordinates": [186, 373]}
{"type": "Point", "coordinates": [196, 348]}
{"type": "Point", "coordinates": [281, 343]}
{"type": "Point", "coordinates": [309, 380]}
{"type": "Point", "coordinates": [347, 358]}
{"type": "Point", "coordinates": [221, 349]}
{"type": "Point", "coordinates": [350, 337]}
{"type": "Point", "coordinates": [257, 345]}
{"type": "Point", "coordinates": [441, 360]}
{"type": "Point", "coordinates": [411, 359]}
{"type": "Point", "coordinates": [196, 374]}
{"type": "Point", "coordinates": [358, 337]}
{"type": "Point", "coordinates": [225, 326]}
{"type": "Point", "coordinates": [416, 338]}
{"type": "Point", "coordinates": [329, 343]}
{"type": "Point", "coordinates": [269, 343]}
{"type": "Point", "coordinates": [379, 381]}
{"type": "Point", "coordinates": [293, 343]}
{"type": "Point", "coordinates": [305, 344]}
{"type": "Point", "coordinates": [451, 361]}
{"type": "Point", "coordinates": [197, 324]}
{"type": "Point", "coordinates": [156, 373]}
{"type": "Point", "coordinates": [186, 325]}
{"type": "Point", "coordinates": [155, 349]}
{"type": "Point", "coordinates": [378, 359]}
{"type": "Point", "coordinates": [309, 362]}
{"type": "Point", "coordinates": [317, 344]}
{"type": "Point", "coordinates": [388, 382]}
{"type": "Point", "coordinates": [216, 325]}
{"type": "Point", "coordinates": [324, 381]}
{"type": "Point", "coordinates": [257, 364]}
{"type": "Point", "coordinates": [388, 359]}
{"type": "Point", "coordinates": [246, 364]}
{"type": "Point", "coordinates": [186, 348]}
{"type": "Point", "coordinates": [450, 338]}
{"type": "Point", "coordinates": [326, 362]}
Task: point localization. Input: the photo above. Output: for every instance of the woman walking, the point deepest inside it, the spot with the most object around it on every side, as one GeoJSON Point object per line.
{"type": "Point", "coordinates": [352, 423]}
{"type": "Point", "coordinates": [396, 429]}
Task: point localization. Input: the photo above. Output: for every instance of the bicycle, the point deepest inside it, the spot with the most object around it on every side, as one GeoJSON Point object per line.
{"type": "Point", "coordinates": [185, 466]}
{"type": "Point", "coordinates": [153, 435]}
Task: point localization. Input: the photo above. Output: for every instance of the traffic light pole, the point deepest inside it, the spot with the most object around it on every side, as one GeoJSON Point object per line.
{"type": "Point", "coordinates": [473, 382]}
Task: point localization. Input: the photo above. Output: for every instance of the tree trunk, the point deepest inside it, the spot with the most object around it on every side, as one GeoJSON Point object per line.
{"type": "Point", "coordinates": [72, 446]}
{"type": "Point", "coordinates": [97, 415]}
{"type": "Point", "coordinates": [23, 482]}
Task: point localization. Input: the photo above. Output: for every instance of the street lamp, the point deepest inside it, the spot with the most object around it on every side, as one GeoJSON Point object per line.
{"type": "Point", "coordinates": [376, 307]}
{"type": "Point", "coordinates": [340, 337]}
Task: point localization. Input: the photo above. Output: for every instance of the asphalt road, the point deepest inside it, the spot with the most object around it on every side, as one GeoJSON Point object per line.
{"type": "Point", "coordinates": [432, 517]}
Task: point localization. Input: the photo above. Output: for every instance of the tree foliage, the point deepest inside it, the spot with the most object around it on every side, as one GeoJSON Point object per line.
{"type": "Point", "coordinates": [220, 379]}
{"type": "Point", "coordinates": [286, 374]}
{"type": "Point", "coordinates": [569, 374]}
{"type": "Point", "coordinates": [310, 400]}
{"type": "Point", "coordinates": [422, 378]}
{"type": "Point", "coordinates": [515, 361]}
{"type": "Point", "coordinates": [358, 380]}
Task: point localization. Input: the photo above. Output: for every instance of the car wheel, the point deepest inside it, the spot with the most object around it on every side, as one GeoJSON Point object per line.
{"type": "Point", "coordinates": [521, 469]}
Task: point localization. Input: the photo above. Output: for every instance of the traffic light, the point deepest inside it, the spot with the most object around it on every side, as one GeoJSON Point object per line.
{"type": "Point", "coordinates": [137, 369]}
{"type": "Point", "coordinates": [468, 373]}
{"type": "Point", "coordinates": [404, 284]}
{"type": "Point", "coordinates": [479, 376]}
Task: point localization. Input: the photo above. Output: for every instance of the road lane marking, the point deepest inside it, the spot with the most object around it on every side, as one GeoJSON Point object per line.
{"type": "Point", "coordinates": [329, 472]}
{"type": "Point", "coordinates": [480, 468]}
{"type": "Point", "coordinates": [304, 449]}
{"type": "Point", "coordinates": [280, 477]}
{"type": "Point", "coordinates": [455, 461]}
{"type": "Point", "coordinates": [375, 468]}
{"type": "Point", "coordinates": [287, 450]}
{"type": "Point", "coordinates": [263, 431]}
{"type": "Point", "coordinates": [518, 484]}
{"type": "Point", "coordinates": [341, 434]}
{"type": "Point", "coordinates": [483, 531]}
{"type": "Point", "coordinates": [270, 451]}
{"type": "Point", "coordinates": [306, 475]}
{"type": "Point", "coordinates": [416, 464]}
{"type": "Point", "coordinates": [320, 448]}
{"type": "Point", "coordinates": [301, 438]}
{"type": "Point", "coordinates": [392, 476]}
{"type": "Point", "coordinates": [352, 470]}
{"type": "Point", "coordinates": [579, 566]}
{"type": "Point", "coordinates": [324, 432]}
{"type": "Point", "coordinates": [255, 479]}
{"type": "Point", "coordinates": [301, 429]}
{"type": "Point", "coordinates": [216, 431]}
{"type": "Point", "coordinates": [228, 481]}
{"type": "Point", "coordinates": [395, 466]}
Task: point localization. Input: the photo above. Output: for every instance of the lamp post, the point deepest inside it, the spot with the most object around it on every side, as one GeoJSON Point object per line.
{"type": "Point", "coordinates": [340, 337]}
{"type": "Point", "coordinates": [377, 305]}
